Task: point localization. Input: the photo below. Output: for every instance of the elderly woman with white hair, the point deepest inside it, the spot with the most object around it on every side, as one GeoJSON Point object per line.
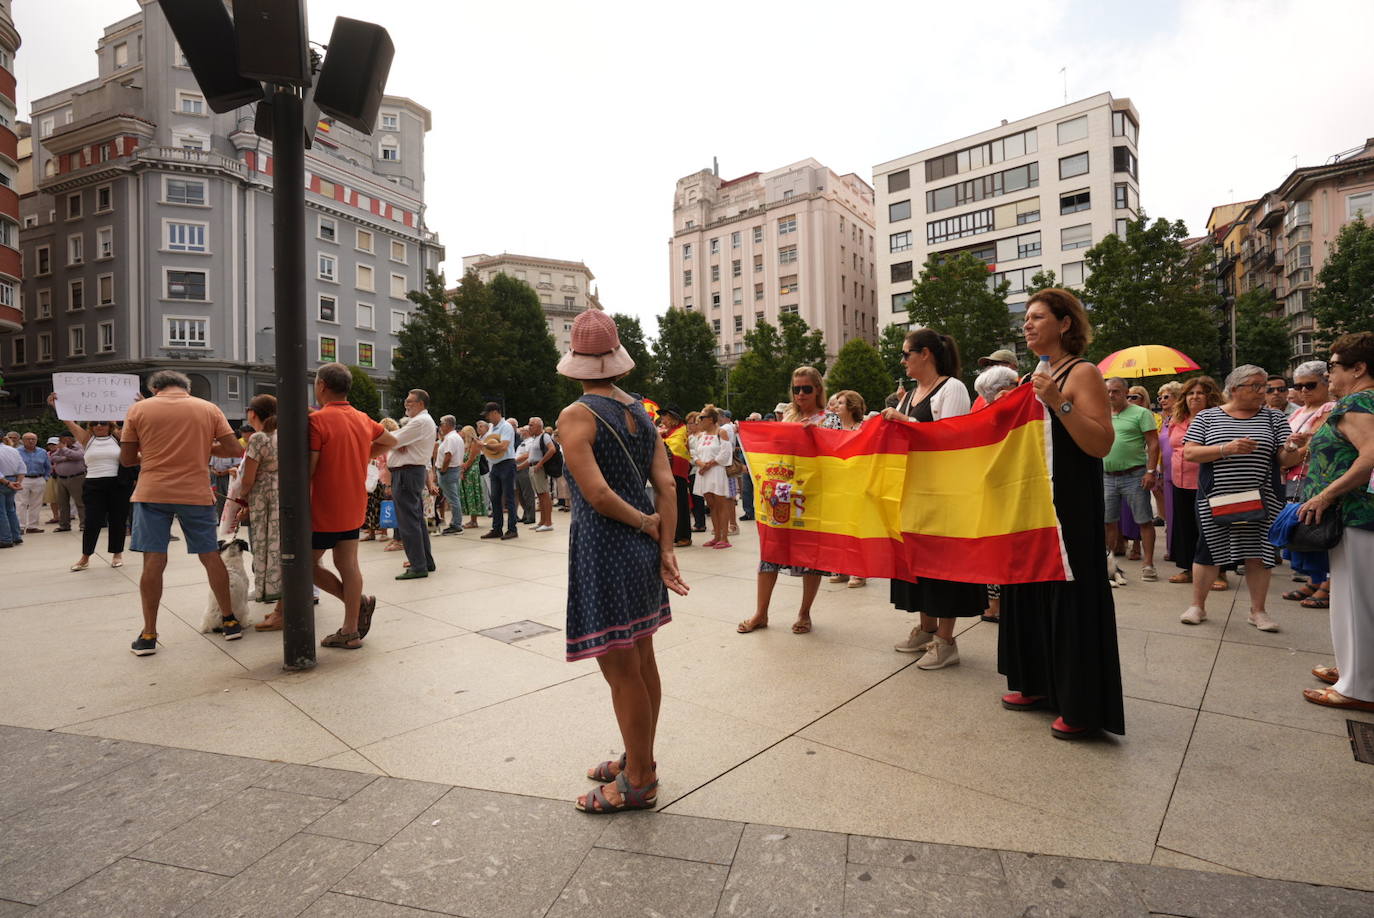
{"type": "Point", "coordinates": [991, 383]}
{"type": "Point", "coordinates": [1241, 447]}
{"type": "Point", "coordinates": [1315, 403]}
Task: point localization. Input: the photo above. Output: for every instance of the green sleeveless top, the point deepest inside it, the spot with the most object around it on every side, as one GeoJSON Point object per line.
{"type": "Point", "coordinates": [1331, 457]}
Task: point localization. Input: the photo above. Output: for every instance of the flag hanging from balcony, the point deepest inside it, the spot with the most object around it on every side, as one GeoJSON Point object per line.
{"type": "Point", "coordinates": [966, 499]}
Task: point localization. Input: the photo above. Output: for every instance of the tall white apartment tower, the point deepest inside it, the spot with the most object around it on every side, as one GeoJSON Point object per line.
{"type": "Point", "coordinates": [1024, 196]}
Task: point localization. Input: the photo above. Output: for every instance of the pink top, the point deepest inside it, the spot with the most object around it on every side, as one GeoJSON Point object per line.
{"type": "Point", "coordinates": [1306, 421]}
{"type": "Point", "coordinates": [1184, 474]}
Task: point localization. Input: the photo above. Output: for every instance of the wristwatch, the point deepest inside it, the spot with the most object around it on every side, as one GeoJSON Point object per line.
{"type": "Point", "coordinates": [1066, 407]}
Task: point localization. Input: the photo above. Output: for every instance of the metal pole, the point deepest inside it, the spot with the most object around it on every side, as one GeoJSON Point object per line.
{"type": "Point", "coordinates": [293, 447]}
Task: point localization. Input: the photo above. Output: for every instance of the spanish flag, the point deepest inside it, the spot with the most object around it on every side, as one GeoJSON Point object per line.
{"type": "Point", "coordinates": [966, 499]}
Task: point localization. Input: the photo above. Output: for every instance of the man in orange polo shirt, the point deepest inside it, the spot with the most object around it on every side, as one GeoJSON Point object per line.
{"type": "Point", "coordinates": [342, 441]}
{"type": "Point", "coordinates": [173, 435]}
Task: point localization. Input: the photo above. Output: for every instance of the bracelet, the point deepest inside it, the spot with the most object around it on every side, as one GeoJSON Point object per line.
{"type": "Point", "coordinates": [643, 522]}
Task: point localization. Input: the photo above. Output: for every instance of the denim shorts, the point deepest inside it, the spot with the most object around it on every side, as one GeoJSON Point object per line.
{"type": "Point", "coordinates": [1115, 487]}
{"type": "Point", "coordinates": [153, 527]}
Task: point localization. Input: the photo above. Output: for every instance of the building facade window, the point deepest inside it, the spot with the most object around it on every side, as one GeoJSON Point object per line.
{"type": "Point", "coordinates": [398, 251]}
{"type": "Point", "coordinates": [715, 272]}
{"type": "Point", "coordinates": [1123, 160]}
{"type": "Point", "coordinates": [390, 121]}
{"type": "Point", "coordinates": [105, 338]}
{"type": "Point", "coordinates": [363, 278]}
{"type": "Point", "coordinates": [715, 301]}
{"type": "Point", "coordinates": [758, 235]}
{"type": "Point", "coordinates": [984, 154]}
{"type": "Point", "coordinates": [788, 285]}
{"type": "Point", "coordinates": [366, 355]}
{"type": "Point", "coordinates": [76, 341]}
{"type": "Point", "coordinates": [185, 285]}
{"type": "Point", "coordinates": [76, 249]}
{"type": "Point", "coordinates": [1017, 279]}
{"type": "Point", "coordinates": [398, 286]}
{"type": "Point", "coordinates": [1120, 226]}
{"type": "Point", "coordinates": [390, 152]}
{"type": "Point", "coordinates": [787, 225]}
{"type": "Point", "coordinates": [1123, 125]}
{"type": "Point", "coordinates": [184, 191]}
{"type": "Point", "coordinates": [327, 229]}
{"type": "Point", "coordinates": [1075, 201]}
{"type": "Point", "coordinates": [185, 331]}
{"type": "Point", "coordinates": [1073, 274]}
{"type": "Point", "coordinates": [329, 309]}
{"type": "Point", "coordinates": [899, 210]}
{"type": "Point", "coordinates": [899, 242]}
{"type": "Point", "coordinates": [363, 240]}
{"type": "Point", "coordinates": [1071, 130]}
{"type": "Point", "coordinates": [42, 260]}
{"type": "Point", "coordinates": [104, 285]}
{"type": "Point", "coordinates": [687, 278]}
{"type": "Point", "coordinates": [972, 223]}
{"type": "Point", "coordinates": [714, 246]}
{"type": "Point", "coordinates": [739, 324]}
{"type": "Point", "coordinates": [398, 321]}
{"type": "Point", "coordinates": [74, 206]}
{"type": "Point", "coordinates": [231, 387]}
{"type": "Point", "coordinates": [1077, 164]}
{"type": "Point", "coordinates": [686, 251]}
{"type": "Point", "coordinates": [328, 269]}
{"type": "Point", "coordinates": [104, 242]}
{"type": "Point", "coordinates": [190, 103]}
{"type": "Point", "coordinates": [787, 255]}
{"type": "Point", "coordinates": [735, 239]}
{"type": "Point", "coordinates": [19, 351]}
{"type": "Point", "coordinates": [1076, 237]}
{"type": "Point", "coordinates": [45, 347]}
{"type": "Point", "coordinates": [329, 349]}
{"type": "Point", "coordinates": [737, 295]}
{"type": "Point", "coordinates": [43, 306]}
{"type": "Point", "coordinates": [686, 302]}
{"type": "Point", "coordinates": [1360, 205]}
{"type": "Point", "coordinates": [715, 326]}
{"type": "Point", "coordinates": [104, 199]}
{"type": "Point", "coordinates": [185, 237]}
{"type": "Point", "coordinates": [901, 272]}
{"type": "Point", "coordinates": [76, 295]}
{"type": "Point", "coordinates": [896, 181]}
{"type": "Point", "coordinates": [758, 292]}
{"type": "Point", "coordinates": [365, 316]}
{"type": "Point", "coordinates": [735, 268]}
{"type": "Point", "coordinates": [988, 186]}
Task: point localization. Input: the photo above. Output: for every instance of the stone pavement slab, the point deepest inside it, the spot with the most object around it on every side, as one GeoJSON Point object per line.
{"type": "Point", "coordinates": [286, 881]}
{"type": "Point", "coordinates": [786, 872]}
{"type": "Point", "coordinates": [623, 883]}
{"type": "Point", "coordinates": [132, 887]}
{"type": "Point", "coordinates": [380, 810]}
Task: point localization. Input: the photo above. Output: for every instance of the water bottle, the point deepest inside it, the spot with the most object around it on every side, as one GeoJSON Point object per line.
{"type": "Point", "coordinates": [1042, 367]}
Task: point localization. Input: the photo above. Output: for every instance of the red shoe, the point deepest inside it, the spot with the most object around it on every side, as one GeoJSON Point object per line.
{"type": "Point", "coordinates": [710, 544]}
{"type": "Point", "coordinates": [1062, 730]}
{"type": "Point", "coordinates": [1015, 701]}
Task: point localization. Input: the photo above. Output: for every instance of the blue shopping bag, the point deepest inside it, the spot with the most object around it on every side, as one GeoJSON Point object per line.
{"type": "Point", "coordinates": [386, 519]}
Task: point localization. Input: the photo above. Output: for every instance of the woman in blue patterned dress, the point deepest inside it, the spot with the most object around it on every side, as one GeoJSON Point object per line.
{"type": "Point", "coordinates": [620, 553]}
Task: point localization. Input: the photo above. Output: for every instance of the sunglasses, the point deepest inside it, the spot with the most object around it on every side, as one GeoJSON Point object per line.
{"type": "Point", "coordinates": [1337, 363]}
{"type": "Point", "coordinates": [1132, 398]}
{"type": "Point", "coordinates": [1303, 386]}
{"type": "Point", "coordinates": [906, 353]}
{"type": "Point", "coordinates": [803, 390]}
{"type": "Point", "coordinates": [1272, 389]}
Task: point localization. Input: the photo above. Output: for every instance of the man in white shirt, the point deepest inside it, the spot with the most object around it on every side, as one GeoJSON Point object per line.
{"type": "Point", "coordinates": [524, 488]}
{"type": "Point", "coordinates": [12, 473]}
{"type": "Point", "coordinates": [500, 446]}
{"type": "Point", "coordinates": [451, 472]}
{"type": "Point", "coordinates": [542, 450]}
{"type": "Point", "coordinates": [408, 462]}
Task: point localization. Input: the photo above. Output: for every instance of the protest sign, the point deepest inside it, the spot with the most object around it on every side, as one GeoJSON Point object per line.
{"type": "Point", "coordinates": [94, 396]}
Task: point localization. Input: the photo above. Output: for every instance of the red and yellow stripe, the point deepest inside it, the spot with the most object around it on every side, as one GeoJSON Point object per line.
{"type": "Point", "coordinates": [966, 499]}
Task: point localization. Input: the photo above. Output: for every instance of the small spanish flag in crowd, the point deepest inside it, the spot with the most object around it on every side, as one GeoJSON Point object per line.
{"type": "Point", "coordinates": [966, 499]}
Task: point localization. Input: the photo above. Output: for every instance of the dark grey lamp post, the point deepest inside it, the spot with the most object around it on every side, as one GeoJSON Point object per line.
{"type": "Point", "coordinates": [267, 40]}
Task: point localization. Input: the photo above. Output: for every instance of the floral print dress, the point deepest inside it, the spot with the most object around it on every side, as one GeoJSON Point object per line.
{"type": "Point", "coordinates": [264, 519]}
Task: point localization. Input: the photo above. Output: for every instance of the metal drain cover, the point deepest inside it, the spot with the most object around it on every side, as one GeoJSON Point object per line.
{"type": "Point", "coordinates": [516, 631]}
{"type": "Point", "coordinates": [1361, 740]}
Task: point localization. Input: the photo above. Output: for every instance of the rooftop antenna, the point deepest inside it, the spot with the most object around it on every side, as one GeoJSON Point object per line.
{"type": "Point", "coordinates": [715, 167]}
{"type": "Point", "coordinates": [1065, 72]}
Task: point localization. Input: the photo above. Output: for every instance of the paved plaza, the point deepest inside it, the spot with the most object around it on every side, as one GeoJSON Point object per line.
{"type": "Point", "coordinates": [434, 770]}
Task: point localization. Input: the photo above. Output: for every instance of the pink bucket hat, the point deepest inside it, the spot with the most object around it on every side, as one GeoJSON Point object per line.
{"type": "Point", "coordinates": [596, 350]}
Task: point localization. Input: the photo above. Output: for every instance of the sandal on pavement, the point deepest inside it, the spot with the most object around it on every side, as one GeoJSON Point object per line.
{"type": "Point", "coordinates": [801, 626]}
{"type": "Point", "coordinates": [748, 626]}
{"type": "Point", "coordinates": [602, 773]}
{"type": "Point", "coordinates": [1330, 698]}
{"type": "Point", "coordinates": [631, 798]}
{"type": "Point", "coordinates": [1305, 592]}
{"type": "Point", "coordinates": [266, 625]}
{"type": "Point", "coordinates": [394, 545]}
{"type": "Point", "coordinates": [365, 610]}
{"type": "Point", "coordinates": [1182, 577]}
{"type": "Point", "coordinates": [1220, 585]}
{"type": "Point", "coordinates": [1328, 674]}
{"type": "Point", "coordinates": [343, 641]}
{"type": "Point", "coordinates": [80, 565]}
{"type": "Point", "coordinates": [117, 562]}
{"type": "Point", "coordinates": [1320, 599]}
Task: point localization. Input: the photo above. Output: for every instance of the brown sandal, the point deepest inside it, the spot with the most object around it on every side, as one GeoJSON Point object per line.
{"type": "Point", "coordinates": [1328, 674]}
{"type": "Point", "coordinates": [1305, 592]}
{"type": "Point", "coordinates": [1317, 600]}
{"type": "Point", "coordinates": [343, 641]}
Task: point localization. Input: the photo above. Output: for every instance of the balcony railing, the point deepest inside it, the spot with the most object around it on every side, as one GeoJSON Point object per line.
{"type": "Point", "coordinates": [204, 158]}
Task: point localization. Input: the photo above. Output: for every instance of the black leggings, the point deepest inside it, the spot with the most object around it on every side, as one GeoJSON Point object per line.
{"type": "Point", "coordinates": [107, 503]}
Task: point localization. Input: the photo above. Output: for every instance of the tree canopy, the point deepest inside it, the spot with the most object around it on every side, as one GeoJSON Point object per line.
{"type": "Point", "coordinates": [1261, 337]}
{"type": "Point", "coordinates": [955, 298]}
{"type": "Point", "coordinates": [364, 395]}
{"type": "Point", "coordinates": [1344, 299]}
{"type": "Point", "coordinates": [761, 378]}
{"type": "Point", "coordinates": [642, 378]}
{"type": "Point", "coordinates": [859, 366]}
{"type": "Point", "coordinates": [685, 355]}
{"type": "Point", "coordinates": [1149, 288]}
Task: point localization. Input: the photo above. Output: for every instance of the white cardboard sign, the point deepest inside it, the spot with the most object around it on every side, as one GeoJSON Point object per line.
{"type": "Point", "coordinates": [94, 396]}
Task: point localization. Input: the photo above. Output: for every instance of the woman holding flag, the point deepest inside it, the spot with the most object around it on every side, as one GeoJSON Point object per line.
{"type": "Point", "coordinates": [1057, 639]}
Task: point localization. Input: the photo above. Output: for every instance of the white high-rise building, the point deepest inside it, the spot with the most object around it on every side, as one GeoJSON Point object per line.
{"type": "Point", "coordinates": [1024, 196]}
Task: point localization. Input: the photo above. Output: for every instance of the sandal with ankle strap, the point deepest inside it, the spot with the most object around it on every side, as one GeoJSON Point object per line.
{"type": "Point", "coordinates": [602, 773]}
{"type": "Point", "coordinates": [1305, 592]}
{"type": "Point", "coordinates": [631, 798]}
{"type": "Point", "coordinates": [1320, 599]}
{"type": "Point", "coordinates": [343, 641]}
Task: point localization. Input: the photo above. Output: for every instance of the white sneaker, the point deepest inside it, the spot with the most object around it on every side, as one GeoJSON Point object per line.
{"type": "Point", "coordinates": [939, 654]}
{"type": "Point", "coordinates": [1261, 620]}
{"type": "Point", "coordinates": [1193, 616]}
{"type": "Point", "coordinates": [917, 642]}
{"type": "Point", "coordinates": [1149, 573]}
{"type": "Point", "coordinates": [543, 529]}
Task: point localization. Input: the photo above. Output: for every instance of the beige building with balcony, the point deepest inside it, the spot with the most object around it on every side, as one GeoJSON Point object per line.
{"type": "Point", "coordinates": [1025, 196]}
{"type": "Point", "coordinates": [797, 239]}
{"type": "Point", "coordinates": [564, 287]}
{"type": "Point", "coordinates": [1289, 231]}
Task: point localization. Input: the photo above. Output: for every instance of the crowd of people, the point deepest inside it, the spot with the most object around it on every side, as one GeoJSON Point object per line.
{"type": "Point", "coordinates": [1212, 468]}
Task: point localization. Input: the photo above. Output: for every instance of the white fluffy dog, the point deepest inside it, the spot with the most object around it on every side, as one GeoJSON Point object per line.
{"type": "Point", "coordinates": [231, 550]}
{"type": "Point", "coordinates": [1115, 575]}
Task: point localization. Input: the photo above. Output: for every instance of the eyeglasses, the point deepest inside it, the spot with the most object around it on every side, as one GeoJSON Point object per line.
{"type": "Point", "coordinates": [1337, 363]}
{"type": "Point", "coordinates": [906, 353]}
{"type": "Point", "coordinates": [1132, 398]}
{"type": "Point", "coordinates": [1305, 386]}
{"type": "Point", "coordinates": [1272, 389]}
{"type": "Point", "coordinates": [803, 390]}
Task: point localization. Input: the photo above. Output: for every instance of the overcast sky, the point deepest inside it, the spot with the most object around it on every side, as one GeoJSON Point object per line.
{"type": "Point", "coordinates": [561, 128]}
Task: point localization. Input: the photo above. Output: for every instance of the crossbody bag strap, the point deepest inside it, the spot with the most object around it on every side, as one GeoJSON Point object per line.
{"type": "Point", "coordinates": [609, 426]}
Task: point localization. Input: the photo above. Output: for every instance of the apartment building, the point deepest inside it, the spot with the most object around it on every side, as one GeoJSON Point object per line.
{"type": "Point", "coordinates": [148, 235]}
{"type": "Point", "coordinates": [1284, 236]}
{"type": "Point", "coordinates": [797, 239]}
{"type": "Point", "coordinates": [564, 287]}
{"type": "Point", "coordinates": [11, 264]}
{"type": "Point", "coordinates": [1024, 196]}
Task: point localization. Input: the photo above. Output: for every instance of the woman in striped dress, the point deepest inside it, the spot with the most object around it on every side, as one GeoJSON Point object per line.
{"type": "Point", "coordinates": [1240, 446]}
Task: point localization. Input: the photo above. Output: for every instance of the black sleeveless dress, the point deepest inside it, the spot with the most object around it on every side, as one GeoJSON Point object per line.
{"type": "Point", "coordinates": [938, 598]}
{"type": "Point", "coordinates": [1058, 638]}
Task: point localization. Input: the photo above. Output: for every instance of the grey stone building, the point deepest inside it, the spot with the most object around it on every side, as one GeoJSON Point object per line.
{"type": "Point", "coordinates": [147, 241]}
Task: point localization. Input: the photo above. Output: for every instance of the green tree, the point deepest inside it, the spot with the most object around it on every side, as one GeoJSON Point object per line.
{"type": "Point", "coordinates": [427, 355]}
{"type": "Point", "coordinates": [364, 395]}
{"type": "Point", "coordinates": [955, 298]}
{"type": "Point", "coordinates": [1150, 288]}
{"type": "Point", "coordinates": [859, 366]}
{"type": "Point", "coordinates": [1261, 337]}
{"type": "Point", "coordinates": [759, 380]}
{"type": "Point", "coordinates": [529, 382]}
{"type": "Point", "coordinates": [642, 378]}
{"type": "Point", "coordinates": [1041, 280]}
{"type": "Point", "coordinates": [802, 346]}
{"type": "Point", "coordinates": [1344, 299]}
{"type": "Point", "coordinates": [890, 345]}
{"type": "Point", "coordinates": [685, 354]}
